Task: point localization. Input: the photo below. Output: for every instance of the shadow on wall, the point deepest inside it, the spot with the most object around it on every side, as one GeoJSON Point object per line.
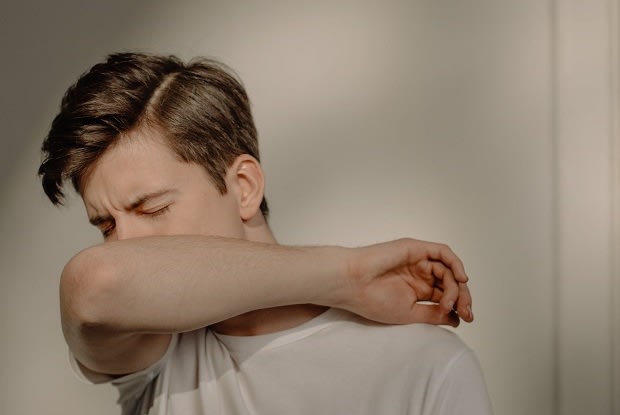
{"type": "Point", "coordinates": [45, 46]}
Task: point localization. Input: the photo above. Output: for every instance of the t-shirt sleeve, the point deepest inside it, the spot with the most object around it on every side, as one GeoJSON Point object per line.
{"type": "Point", "coordinates": [463, 389]}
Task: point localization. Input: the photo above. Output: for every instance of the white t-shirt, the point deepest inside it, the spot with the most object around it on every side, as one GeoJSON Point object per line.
{"type": "Point", "coordinates": [336, 363]}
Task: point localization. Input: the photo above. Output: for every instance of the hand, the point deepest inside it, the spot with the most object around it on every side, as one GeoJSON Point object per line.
{"type": "Point", "coordinates": [389, 280]}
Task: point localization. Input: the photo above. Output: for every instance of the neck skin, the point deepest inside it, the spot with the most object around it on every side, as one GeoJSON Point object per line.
{"type": "Point", "coordinates": [267, 320]}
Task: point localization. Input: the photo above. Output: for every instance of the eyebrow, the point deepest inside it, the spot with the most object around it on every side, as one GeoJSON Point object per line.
{"type": "Point", "coordinates": [136, 203]}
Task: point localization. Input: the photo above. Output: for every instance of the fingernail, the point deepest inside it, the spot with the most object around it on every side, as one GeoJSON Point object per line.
{"type": "Point", "coordinates": [451, 305]}
{"type": "Point", "coordinates": [471, 313]}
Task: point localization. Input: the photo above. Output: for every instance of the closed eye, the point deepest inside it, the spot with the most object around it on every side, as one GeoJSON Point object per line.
{"type": "Point", "coordinates": [157, 212]}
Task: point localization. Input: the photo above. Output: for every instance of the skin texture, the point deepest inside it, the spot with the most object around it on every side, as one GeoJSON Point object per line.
{"type": "Point", "coordinates": [178, 255]}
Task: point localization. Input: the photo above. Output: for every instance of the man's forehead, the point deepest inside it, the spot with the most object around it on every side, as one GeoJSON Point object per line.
{"type": "Point", "coordinates": [135, 167]}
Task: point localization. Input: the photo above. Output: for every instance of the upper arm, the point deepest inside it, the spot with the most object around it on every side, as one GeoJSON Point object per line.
{"type": "Point", "coordinates": [116, 355]}
{"type": "Point", "coordinates": [100, 347]}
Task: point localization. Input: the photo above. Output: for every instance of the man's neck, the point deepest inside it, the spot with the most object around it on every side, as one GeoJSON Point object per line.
{"type": "Point", "coordinates": [268, 320]}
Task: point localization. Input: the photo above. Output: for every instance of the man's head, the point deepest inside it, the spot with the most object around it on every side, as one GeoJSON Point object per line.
{"type": "Point", "coordinates": [139, 187]}
{"type": "Point", "coordinates": [201, 110]}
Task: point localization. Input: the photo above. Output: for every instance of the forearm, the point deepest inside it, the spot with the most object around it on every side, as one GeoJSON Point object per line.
{"type": "Point", "coordinates": [178, 283]}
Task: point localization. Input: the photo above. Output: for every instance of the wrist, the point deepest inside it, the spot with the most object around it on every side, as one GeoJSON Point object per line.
{"type": "Point", "coordinates": [334, 285]}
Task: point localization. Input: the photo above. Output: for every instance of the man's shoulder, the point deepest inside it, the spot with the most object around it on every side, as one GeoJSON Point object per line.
{"type": "Point", "coordinates": [408, 337]}
{"type": "Point", "coordinates": [418, 352]}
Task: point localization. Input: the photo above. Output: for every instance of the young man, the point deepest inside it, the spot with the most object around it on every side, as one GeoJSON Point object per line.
{"type": "Point", "coordinates": [191, 307]}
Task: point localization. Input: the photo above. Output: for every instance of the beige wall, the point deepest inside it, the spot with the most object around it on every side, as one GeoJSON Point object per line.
{"type": "Point", "coordinates": [488, 125]}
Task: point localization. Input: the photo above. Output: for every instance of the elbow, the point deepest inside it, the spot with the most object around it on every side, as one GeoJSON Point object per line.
{"type": "Point", "coordinates": [87, 282]}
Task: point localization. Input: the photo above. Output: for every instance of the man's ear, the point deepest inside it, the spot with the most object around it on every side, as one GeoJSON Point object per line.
{"type": "Point", "coordinates": [246, 179]}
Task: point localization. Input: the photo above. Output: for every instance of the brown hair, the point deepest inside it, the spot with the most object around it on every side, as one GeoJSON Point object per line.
{"type": "Point", "coordinates": [201, 107]}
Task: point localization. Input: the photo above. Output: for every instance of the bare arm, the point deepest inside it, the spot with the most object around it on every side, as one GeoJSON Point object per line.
{"type": "Point", "coordinates": [121, 300]}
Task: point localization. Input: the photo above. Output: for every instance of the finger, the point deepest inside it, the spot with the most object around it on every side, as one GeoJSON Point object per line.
{"type": "Point", "coordinates": [437, 294]}
{"type": "Point", "coordinates": [443, 253]}
{"type": "Point", "coordinates": [430, 285]}
{"type": "Point", "coordinates": [463, 304]}
{"type": "Point", "coordinates": [450, 292]}
{"type": "Point", "coordinates": [433, 314]}
{"type": "Point", "coordinates": [438, 271]}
